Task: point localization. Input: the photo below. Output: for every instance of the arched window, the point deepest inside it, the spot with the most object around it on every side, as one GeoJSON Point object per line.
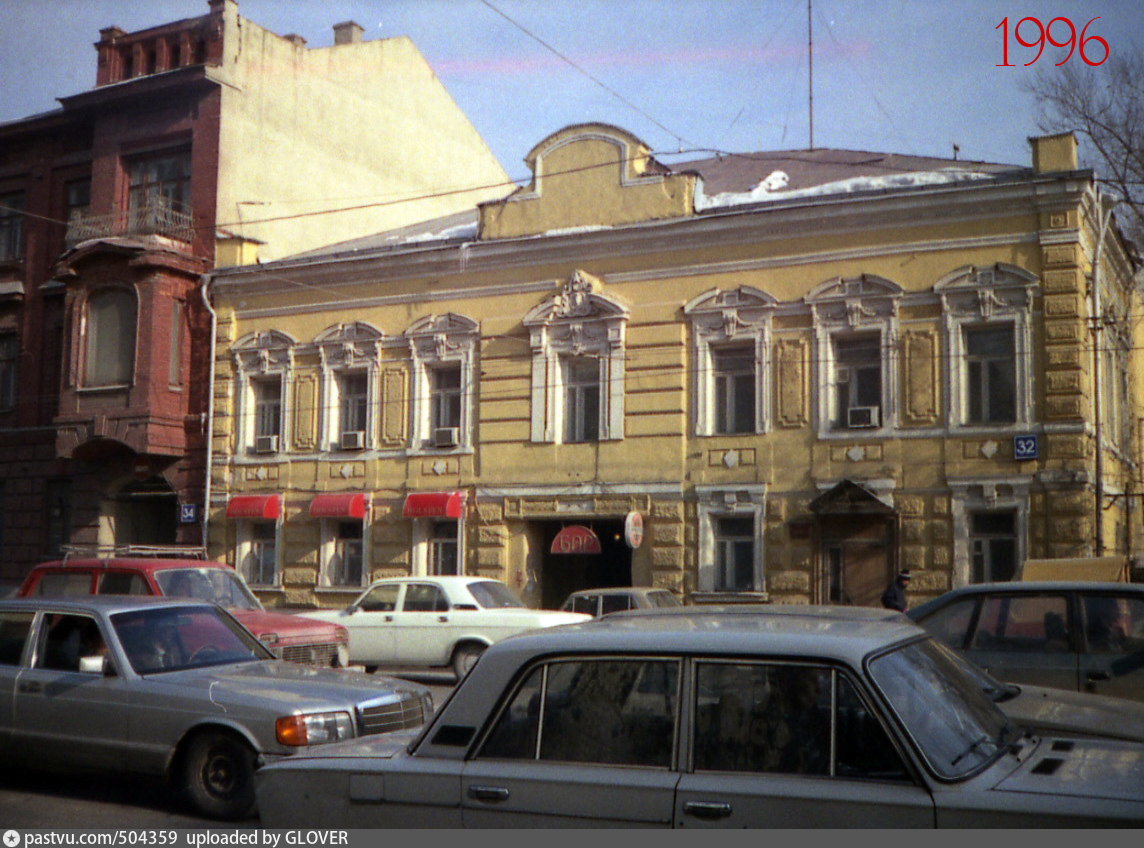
{"type": "Point", "coordinates": [110, 349]}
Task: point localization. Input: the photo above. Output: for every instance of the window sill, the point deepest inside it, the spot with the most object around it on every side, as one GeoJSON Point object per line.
{"type": "Point", "coordinates": [95, 390]}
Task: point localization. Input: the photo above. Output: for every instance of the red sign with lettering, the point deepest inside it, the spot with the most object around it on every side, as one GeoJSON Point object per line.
{"type": "Point", "coordinates": [575, 539]}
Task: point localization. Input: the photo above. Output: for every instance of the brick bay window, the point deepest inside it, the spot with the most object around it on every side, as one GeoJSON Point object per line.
{"type": "Point", "coordinates": [109, 338]}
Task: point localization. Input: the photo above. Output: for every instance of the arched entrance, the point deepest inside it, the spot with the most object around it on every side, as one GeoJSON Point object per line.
{"type": "Point", "coordinates": [564, 573]}
{"type": "Point", "coordinates": [142, 512]}
{"type": "Point", "coordinates": [856, 533]}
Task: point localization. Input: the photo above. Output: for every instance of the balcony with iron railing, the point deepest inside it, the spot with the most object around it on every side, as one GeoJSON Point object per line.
{"type": "Point", "coordinates": [157, 217]}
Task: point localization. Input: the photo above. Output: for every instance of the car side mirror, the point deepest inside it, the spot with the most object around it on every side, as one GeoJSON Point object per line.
{"type": "Point", "coordinates": [96, 664]}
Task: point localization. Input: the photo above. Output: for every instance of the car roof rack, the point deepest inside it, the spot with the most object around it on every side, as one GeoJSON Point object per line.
{"type": "Point", "coordinates": [98, 551]}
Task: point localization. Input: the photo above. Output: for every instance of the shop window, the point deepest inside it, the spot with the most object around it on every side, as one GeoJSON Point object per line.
{"type": "Point", "coordinates": [258, 552]}
{"type": "Point", "coordinates": [109, 352]}
{"type": "Point", "coordinates": [344, 551]}
{"type": "Point", "coordinates": [443, 548]}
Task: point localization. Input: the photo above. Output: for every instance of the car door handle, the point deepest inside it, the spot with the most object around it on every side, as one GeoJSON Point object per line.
{"type": "Point", "coordinates": [32, 687]}
{"type": "Point", "coordinates": [444, 619]}
{"type": "Point", "coordinates": [389, 619]}
{"type": "Point", "coordinates": [707, 809]}
{"type": "Point", "coordinates": [488, 793]}
{"type": "Point", "coordinates": [1099, 675]}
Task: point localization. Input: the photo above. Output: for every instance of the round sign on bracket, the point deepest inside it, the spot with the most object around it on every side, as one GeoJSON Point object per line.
{"type": "Point", "coordinates": [575, 539]}
{"type": "Point", "coordinates": [633, 530]}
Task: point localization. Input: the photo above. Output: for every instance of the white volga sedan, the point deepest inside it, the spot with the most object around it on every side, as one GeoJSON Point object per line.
{"type": "Point", "coordinates": [435, 621]}
{"type": "Point", "coordinates": [795, 717]}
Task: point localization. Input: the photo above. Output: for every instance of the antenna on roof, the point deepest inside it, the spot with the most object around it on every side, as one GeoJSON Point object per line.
{"type": "Point", "coordinates": [956, 150]}
{"type": "Point", "coordinates": [810, 67]}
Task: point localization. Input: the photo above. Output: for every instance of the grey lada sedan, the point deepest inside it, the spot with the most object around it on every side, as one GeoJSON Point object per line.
{"type": "Point", "coordinates": [689, 718]}
{"type": "Point", "coordinates": [174, 688]}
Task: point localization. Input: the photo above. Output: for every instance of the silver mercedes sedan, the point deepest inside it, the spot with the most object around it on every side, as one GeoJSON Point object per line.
{"type": "Point", "coordinates": [692, 718]}
{"type": "Point", "coordinates": [174, 688]}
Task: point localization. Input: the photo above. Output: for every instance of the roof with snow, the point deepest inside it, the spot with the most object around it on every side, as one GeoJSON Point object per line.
{"type": "Point", "coordinates": [732, 180]}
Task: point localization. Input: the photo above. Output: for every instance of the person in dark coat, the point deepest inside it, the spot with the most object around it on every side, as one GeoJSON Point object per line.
{"type": "Point", "coordinates": [895, 595]}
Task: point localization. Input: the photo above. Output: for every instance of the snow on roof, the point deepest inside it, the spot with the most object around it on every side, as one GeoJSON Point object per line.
{"type": "Point", "coordinates": [772, 188]}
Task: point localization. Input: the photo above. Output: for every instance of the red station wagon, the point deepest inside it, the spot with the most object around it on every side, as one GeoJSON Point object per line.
{"type": "Point", "coordinates": [290, 637]}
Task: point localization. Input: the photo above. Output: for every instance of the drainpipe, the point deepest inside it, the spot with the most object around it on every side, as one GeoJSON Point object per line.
{"type": "Point", "coordinates": [1098, 488]}
{"type": "Point", "coordinates": [208, 278]}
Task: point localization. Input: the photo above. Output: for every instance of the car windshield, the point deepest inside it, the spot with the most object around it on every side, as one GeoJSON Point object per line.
{"type": "Point", "coordinates": [492, 595]}
{"type": "Point", "coordinates": [183, 637]}
{"type": "Point", "coordinates": [953, 721]}
{"type": "Point", "coordinates": [220, 585]}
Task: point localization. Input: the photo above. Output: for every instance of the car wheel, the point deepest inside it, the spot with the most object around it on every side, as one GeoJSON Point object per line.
{"type": "Point", "coordinates": [370, 669]}
{"type": "Point", "coordinates": [218, 776]}
{"type": "Point", "coordinates": [464, 657]}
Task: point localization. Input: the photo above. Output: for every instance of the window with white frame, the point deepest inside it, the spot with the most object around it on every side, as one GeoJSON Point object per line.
{"type": "Point", "coordinates": [350, 358]}
{"type": "Point", "coordinates": [109, 349]}
{"type": "Point", "coordinates": [734, 553]}
{"type": "Point", "coordinates": [730, 538]}
{"type": "Point", "coordinates": [990, 518]}
{"type": "Point", "coordinates": [263, 363]}
{"type": "Point", "coordinates": [857, 381]}
{"type": "Point", "coordinates": [353, 408]}
{"type": "Point", "coordinates": [856, 364]}
{"type": "Point", "coordinates": [988, 328]}
{"type": "Point", "coordinates": [730, 350]}
{"type": "Point", "coordinates": [733, 375]}
{"type": "Point", "coordinates": [258, 552]}
{"type": "Point", "coordinates": [568, 332]}
{"type": "Point", "coordinates": [581, 407]}
{"type": "Point", "coordinates": [267, 393]}
{"type": "Point", "coordinates": [990, 374]}
{"type": "Point", "coordinates": [443, 353]}
{"type": "Point", "coordinates": [343, 552]}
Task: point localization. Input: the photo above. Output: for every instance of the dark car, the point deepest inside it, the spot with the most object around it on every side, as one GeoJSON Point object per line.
{"type": "Point", "coordinates": [694, 717]}
{"type": "Point", "coordinates": [603, 601]}
{"type": "Point", "coordinates": [1085, 636]}
{"type": "Point", "coordinates": [289, 637]}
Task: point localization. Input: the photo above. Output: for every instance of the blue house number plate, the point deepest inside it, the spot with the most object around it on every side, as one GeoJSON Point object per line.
{"type": "Point", "coordinates": [1025, 447]}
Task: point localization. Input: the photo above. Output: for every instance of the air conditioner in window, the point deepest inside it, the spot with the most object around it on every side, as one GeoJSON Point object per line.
{"type": "Point", "coordinates": [353, 440]}
{"type": "Point", "coordinates": [266, 444]}
{"type": "Point", "coordinates": [862, 416]}
{"type": "Point", "coordinates": [446, 437]}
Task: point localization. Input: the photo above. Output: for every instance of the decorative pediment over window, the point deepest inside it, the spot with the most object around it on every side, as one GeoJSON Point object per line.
{"type": "Point", "coordinates": [727, 313]}
{"type": "Point", "coordinates": [986, 293]}
{"type": "Point", "coordinates": [577, 317]}
{"type": "Point", "coordinates": [264, 351]}
{"type": "Point", "coordinates": [441, 336]}
{"type": "Point", "coordinates": [349, 345]}
{"type": "Point", "coordinates": [855, 301]}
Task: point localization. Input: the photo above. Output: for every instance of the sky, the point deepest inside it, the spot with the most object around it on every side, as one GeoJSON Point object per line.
{"type": "Point", "coordinates": [688, 77]}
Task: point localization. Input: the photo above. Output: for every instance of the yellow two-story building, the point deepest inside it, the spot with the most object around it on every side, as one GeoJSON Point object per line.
{"type": "Point", "coordinates": [792, 373]}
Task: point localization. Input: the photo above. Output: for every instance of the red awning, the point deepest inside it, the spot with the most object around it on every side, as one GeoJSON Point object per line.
{"type": "Point", "coordinates": [253, 506]}
{"type": "Point", "coordinates": [434, 505]}
{"type": "Point", "coordinates": [338, 506]}
{"type": "Point", "coordinates": [575, 539]}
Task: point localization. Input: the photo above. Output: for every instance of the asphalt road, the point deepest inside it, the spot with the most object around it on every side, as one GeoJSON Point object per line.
{"type": "Point", "coordinates": [32, 800]}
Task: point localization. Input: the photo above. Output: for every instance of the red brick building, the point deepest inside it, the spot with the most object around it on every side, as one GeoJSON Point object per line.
{"type": "Point", "coordinates": [114, 205]}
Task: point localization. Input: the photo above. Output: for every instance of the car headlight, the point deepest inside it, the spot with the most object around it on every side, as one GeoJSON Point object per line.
{"type": "Point", "coordinates": [313, 729]}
